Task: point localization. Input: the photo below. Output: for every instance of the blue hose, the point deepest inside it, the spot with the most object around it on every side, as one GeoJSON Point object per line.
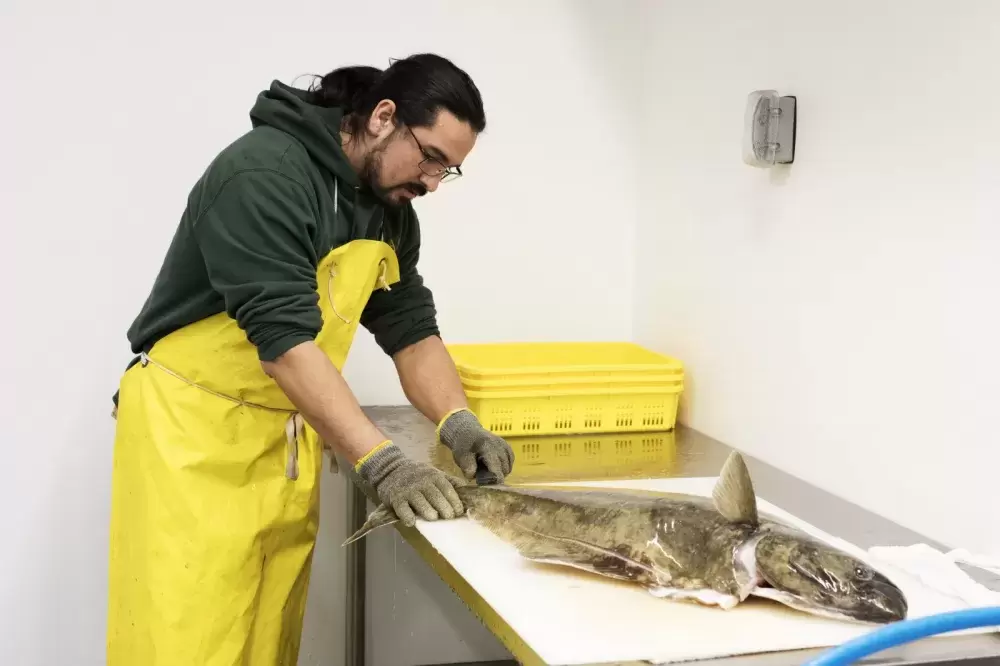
{"type": "Point", "coordinates": [905, 631]}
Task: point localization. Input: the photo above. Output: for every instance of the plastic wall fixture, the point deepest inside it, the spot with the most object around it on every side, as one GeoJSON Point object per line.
{"type": "Point", "coordinates": [769, 129]}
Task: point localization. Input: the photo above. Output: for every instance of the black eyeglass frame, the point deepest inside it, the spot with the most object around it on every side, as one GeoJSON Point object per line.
{"type": "Point", "coordinates": [450, 173]}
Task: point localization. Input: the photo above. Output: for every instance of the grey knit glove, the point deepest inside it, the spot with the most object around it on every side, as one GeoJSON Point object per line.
{"type": "Point", "coordinates": [469, 440]}
{"type": "Point", "coordinates": [413, 489]}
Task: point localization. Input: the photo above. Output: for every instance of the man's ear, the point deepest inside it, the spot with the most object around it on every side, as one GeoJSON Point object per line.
{"type": "Point", "coordinates": [382, 121]}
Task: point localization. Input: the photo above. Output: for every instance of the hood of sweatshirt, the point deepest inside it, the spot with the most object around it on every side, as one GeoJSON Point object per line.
{"type": "Point", "coordinates": [318, 128]}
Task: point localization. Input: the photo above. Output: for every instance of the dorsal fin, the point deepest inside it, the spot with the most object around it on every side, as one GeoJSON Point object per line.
{"type": "Point", "coordinates": [733, 493]}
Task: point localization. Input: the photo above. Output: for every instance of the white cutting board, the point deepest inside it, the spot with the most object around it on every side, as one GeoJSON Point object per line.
{"type": "Point", "coordinates": [572, 617]}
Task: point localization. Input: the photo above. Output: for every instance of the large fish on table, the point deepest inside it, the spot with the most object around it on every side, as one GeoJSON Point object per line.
{"type": "Point", "coordinates": [716, 551]}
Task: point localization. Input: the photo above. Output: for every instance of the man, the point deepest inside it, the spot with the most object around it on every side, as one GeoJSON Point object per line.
{"type": "Point", "coordinates": [297, 233]}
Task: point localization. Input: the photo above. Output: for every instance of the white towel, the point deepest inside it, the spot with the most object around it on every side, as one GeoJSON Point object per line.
{"type": "Point", "coordinates": [940, 571]}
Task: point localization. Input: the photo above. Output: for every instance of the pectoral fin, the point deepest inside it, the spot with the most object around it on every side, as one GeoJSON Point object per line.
{"type": "Point", "coordinates": [578, 554]}
{"type": "Point", "coordinates": [380, 517]}
{"type": "Point", "coordinates": [733, 493]}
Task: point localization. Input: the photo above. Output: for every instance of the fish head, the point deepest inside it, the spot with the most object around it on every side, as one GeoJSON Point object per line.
{"type": "Point", "coordinates": [814, 577]}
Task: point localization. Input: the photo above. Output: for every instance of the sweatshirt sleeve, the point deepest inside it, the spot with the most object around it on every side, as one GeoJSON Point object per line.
{"type": "Point", "coordinates": [256, 239]}
{"type": "Point", "coordinates": [405, 314]}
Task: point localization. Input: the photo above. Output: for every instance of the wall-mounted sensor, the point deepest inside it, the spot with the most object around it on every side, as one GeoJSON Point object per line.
{"type": "Point", "coordinates": [769, 129]}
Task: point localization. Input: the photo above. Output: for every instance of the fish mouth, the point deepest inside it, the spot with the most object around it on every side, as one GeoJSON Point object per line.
{"type": "Point", "coordinates": [879, 602]}
{"type": "Point", "coordinates": [882, 603]}
{"type": "Point", "coordinates": [798, 602]}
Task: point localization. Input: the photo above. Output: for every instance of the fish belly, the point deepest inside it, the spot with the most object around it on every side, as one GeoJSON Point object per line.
{"type": "Point", "coordinates": [703, 595]}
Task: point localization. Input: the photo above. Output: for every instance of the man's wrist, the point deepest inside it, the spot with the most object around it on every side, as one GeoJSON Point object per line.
{"type": "Point", "coordinates": [444, 419]}
{"type": "Point", "coordinates": [374, 451]}
{"type": "Point", "coordinates": [375, 465]}
{"type": "Point", "coordinates": [458, 423]}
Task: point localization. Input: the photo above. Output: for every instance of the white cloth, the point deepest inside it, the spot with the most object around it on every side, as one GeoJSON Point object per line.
{"type": "Point", "coordinates": [940, 571]}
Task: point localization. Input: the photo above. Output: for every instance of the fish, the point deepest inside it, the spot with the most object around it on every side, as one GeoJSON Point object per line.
{"type": "Point", "coordinates": [716, 551]}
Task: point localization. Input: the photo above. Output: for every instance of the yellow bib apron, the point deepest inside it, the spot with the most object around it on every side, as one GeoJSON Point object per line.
{"type": "Point", "coordinates": [215, 488]}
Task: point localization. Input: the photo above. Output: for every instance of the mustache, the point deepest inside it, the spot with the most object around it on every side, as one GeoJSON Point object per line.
{"type": "Point", "coordinates": [416, 188]}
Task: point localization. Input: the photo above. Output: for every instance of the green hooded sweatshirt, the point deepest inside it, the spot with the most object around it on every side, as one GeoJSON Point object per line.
{"type": "Point", "coordinates": [265, 212]}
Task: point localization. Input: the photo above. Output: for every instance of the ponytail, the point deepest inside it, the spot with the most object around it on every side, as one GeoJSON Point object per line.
{"type": "Point", "coordinates": [345, 87]}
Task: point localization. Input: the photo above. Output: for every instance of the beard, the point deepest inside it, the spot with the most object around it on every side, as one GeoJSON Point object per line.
{"type": "Point", "coordinates": [371, 175]}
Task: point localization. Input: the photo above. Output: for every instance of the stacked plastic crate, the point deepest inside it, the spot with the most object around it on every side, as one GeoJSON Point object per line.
{"type": "Point", "coordinates": [574, 405]}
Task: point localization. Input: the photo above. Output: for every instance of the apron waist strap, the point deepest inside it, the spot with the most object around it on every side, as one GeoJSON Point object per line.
{"type": "Point", "coordinates": [294, 426]}
{"type": "Point", "coordinates": [146, 360]}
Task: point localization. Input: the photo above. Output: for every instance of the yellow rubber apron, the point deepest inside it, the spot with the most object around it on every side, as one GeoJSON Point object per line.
{"type": "Point", "coordinates": [215, 488]}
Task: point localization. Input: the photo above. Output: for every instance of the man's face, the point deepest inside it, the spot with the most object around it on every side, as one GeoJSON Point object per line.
{"type": "Point", "coordinates": [407, 162]}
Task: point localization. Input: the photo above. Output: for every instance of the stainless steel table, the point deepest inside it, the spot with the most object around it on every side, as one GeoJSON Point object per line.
{"type": "Point", "coordinates": [692, 454]}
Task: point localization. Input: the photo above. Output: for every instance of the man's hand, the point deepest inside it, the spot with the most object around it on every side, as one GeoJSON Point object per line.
{"type": "Point", "coordinates": [411, 488]}
{"type": "Point", "coordinates": [469, 440]}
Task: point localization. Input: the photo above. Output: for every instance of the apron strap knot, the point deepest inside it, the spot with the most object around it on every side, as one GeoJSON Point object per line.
{"type": "Point", "coordinates": [293, 429]}
{"type": "Point", "coordinates": [382, 272]}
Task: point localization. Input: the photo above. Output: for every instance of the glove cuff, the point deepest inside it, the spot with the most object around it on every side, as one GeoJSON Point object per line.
{"type": "Point", "coordinates": [377, 463]}
{"type": "Point", "coordinates": [450, 414]}
{"type": "Point", "coordinates": [456, 424]}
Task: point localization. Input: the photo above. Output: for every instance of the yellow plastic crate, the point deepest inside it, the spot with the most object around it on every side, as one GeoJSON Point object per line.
{"type": "Point", "coordinates": [559, 388]}
{"type": "Point", "coordinates": [559, 361]}
{"type": "Point", "coordinates": [559, 411]}
{"type": "Point", "coordinates": [556, 458]}
{"type": "Point", "coordinates": [572, 382]}
{"type": "Point", "coordinates": [581, 384]}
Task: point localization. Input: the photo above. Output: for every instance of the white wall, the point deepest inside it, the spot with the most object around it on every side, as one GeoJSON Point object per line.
{"type": "Point", "coordinates": [838, 317]}
{"type": "Point", "coordinates": [111, 113]}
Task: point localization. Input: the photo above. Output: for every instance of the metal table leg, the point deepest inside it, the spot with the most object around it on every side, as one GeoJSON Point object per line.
{"type": "Point", "coordinates": [356, 577]}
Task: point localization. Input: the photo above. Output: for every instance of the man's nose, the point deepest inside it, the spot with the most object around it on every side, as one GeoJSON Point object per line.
{"type": "Point", "coordinates": [430, 182]}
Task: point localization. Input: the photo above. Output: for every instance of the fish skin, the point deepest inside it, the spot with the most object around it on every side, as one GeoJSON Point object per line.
{"type": "Point", "coordinates": [716, 551]}
{"type": "Point", "coordinates": [653, 541]}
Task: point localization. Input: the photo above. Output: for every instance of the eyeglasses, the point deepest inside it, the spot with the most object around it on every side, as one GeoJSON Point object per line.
{"type": "Point", "coordinates": [433, 166]}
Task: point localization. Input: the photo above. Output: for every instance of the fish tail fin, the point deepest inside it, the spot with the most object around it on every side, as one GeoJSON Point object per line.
{"type": "Point", "coordinates": [380, 517]}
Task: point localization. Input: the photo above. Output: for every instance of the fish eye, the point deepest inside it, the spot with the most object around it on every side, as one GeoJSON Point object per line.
{"type": "Point", "coordinates": [862, 573]}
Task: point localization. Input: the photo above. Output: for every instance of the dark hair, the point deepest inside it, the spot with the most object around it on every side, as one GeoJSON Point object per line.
{"type": "Point", "coordinates": [420, 85]}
